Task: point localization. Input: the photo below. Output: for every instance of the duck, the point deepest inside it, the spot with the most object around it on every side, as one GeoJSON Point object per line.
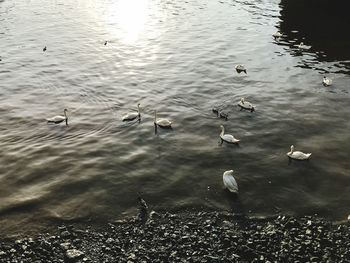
{"type": "Point", "coordinates": [132, 115]}
{"type": "Point", "coordinates": [298, 155]}
{"type": "Point", "coordinates": [240, 68]}
{"type": "Point", "coordinates": [326, 81]}
{"type": "Point", "coordinates": [246, 105]}
{"type": "Point", "coordinates": [59, 118]}
{"type": "Point", "coordinates": [163, 123]}
{"type": "Point", "coordinates": [44, 49]}
{"type": "Point", "coordinates": [303, 47]}
{"type": "Point", "coordinates": [216, 110]}
{"type": "Point", "coordinates": [230, 182]}
{"type": "Point", "coordinates": [277, 35]}
{"type": "Point", "coordinates": [227, 137]}
{"type": "Point", "coordinates": [106, 42]}
{"type": "Point", "coordinates": [223, 115]}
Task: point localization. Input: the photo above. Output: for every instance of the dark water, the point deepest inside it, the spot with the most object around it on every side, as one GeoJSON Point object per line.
{"type": "Point", "coordinates": [176, 57]}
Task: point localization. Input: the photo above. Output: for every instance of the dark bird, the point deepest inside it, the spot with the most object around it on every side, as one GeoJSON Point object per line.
{"type": "Point", "coordinates": [143, 211]}
{"type": "Point", "coordinates": [105, 43]}
{"type": "Point", "coordinates": [44, 49]}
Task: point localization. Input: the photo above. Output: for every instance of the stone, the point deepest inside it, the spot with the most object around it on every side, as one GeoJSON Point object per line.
{"type": "Point", "coordinates": [74, 254]}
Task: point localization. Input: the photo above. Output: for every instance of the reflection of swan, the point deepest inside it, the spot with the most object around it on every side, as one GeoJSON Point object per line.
{"type": "Point", "coordinates": [303, 47]}
{"type": "Point", "coordinates": [227, 137]}
{"type": "Point", "coordinates": [246, 105]}
{"type": "Point", "coordinates": [163, 123]}
{"type": "Point", "coordinates": [229, 181]}
{"type": "Point", "coordinates": [240, 68]}
{"type": "Point", "coordinates": [298, 155]}
{"type": "Point", "coordinates": [59, 118]}
{"type": "Point", "coordinates": [132, 115]}
{"type": "Point", "coordinates": [326, 81]}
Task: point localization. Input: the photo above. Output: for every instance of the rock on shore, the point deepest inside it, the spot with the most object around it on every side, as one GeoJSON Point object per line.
{"type": "Point", "coordinates": [189, 237]}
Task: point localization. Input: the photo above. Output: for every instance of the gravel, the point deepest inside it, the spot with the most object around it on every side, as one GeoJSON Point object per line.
{"type": "Point", "coordinates": [188, 237]}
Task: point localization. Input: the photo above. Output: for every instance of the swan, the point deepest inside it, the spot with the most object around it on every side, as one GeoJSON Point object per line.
{"type": "Point", "coordinates": [277, 35]}
{"type": "Point", "coordinates": [59, 118]}
{"type": "Point", "coordinates": [132, 115]}
{"type": "Point", "coordinates": [227, 137]}
{"type": "Point", "coordinates": [326, 81]}
{"type": "Point", "coordinates": [246, 105]}
{"type": "Point", "coordinates": [240, 68]}
{"type": "Point", "coordinates": [298, 155]}
{"type": "Point", "coordinates": [163, 123]}
{"type": "Point", "coordinates": [304, 47]}
{"type": "Point", "coordinates": [230, 182]}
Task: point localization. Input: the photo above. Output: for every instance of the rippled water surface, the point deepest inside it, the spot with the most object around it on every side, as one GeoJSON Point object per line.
{"type": "Point", "coordinates": [177, 57]}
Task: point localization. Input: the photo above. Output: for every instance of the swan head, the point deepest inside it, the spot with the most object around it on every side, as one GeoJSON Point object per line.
{"type": "Point", "coordinates": [221, 127]}
{"type": "Point", "coordinates": [229, 172]}
{"type": "Point", "coordinates": [292, 148]}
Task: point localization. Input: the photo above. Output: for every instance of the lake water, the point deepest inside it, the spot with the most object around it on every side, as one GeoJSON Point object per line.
{"type": "Point", "coordinates": [177, 57]}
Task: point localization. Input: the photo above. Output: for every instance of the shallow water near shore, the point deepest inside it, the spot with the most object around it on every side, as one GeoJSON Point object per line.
{"type": "Point", "coordinates": [176, 57]}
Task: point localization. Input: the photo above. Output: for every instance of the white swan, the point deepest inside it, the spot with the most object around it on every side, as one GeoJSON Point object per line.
{"type": "Point", "coordinates": [59, 118]}
{"type": "Point", "coordinates": [298, 155]}
{"type": "Point", "coordinates": [227, 137]}
{"type": "Point", "coordinates": [163, 123]}
{"type": "Point", "coordinates": [246, 105]}
{"type": "Point", "coordinates": [303, 47]}
{"type": "Point", "coordinates": [132, 115]}
{"type": "Point", "coordinates": [326, 81]}
{"type": "Point", "coordinates": [240, 68]}
{"type": "Point", "coordinates": [230, 182]}
{"type": "Point", "coordinates": [277, 35]}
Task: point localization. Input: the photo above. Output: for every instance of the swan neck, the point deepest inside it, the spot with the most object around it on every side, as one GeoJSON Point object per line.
{"type": "Point", "coordinates": [222, 131]}
{"type": "Point", "coordinates": [155, 116]}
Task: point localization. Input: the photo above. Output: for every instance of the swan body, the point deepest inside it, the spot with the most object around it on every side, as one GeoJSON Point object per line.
{"type": "Point", "coordinates": [227, 137]}
{"type": "Point", "coordinates": [240, 68]}
{"type": "Point", "coordinates": [163, 123]}
{"type": "Point", "coordinates": [230, 182]}
{"type": "Point", "coordinates": [132, 115]}
{"type": "Point", "coordinates": [59, 118]}
{"type": "Point", "coordinates": [326, 81]}
{"type": "Point", "coordinates": [298, 155]}
{"type": "Point", "coordinates": [246, 105]}
{"type": "Point", "coordinates": [277, 35]}
{"type": "Point", "coordinates": [303, 47]}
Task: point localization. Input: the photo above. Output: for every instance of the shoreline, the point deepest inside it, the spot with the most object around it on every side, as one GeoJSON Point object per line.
{"type": "Point", "coordinates": [188, 237]}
